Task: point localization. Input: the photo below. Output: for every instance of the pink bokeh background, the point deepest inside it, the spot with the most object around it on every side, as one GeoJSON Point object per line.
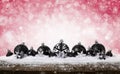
{"type": "Point", "coordinates": [48, 21]}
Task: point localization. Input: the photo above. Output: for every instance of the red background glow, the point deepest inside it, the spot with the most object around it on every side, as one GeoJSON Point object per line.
{"type": "Point", "coordinates": [37, 21]}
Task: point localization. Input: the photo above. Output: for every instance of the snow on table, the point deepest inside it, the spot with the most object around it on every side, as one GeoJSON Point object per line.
{"type": "Point", "coordinates": [44, 63]}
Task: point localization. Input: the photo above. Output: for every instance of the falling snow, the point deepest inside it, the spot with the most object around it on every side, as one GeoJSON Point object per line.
{"type": "Point", "coordinates": [37, 21]}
